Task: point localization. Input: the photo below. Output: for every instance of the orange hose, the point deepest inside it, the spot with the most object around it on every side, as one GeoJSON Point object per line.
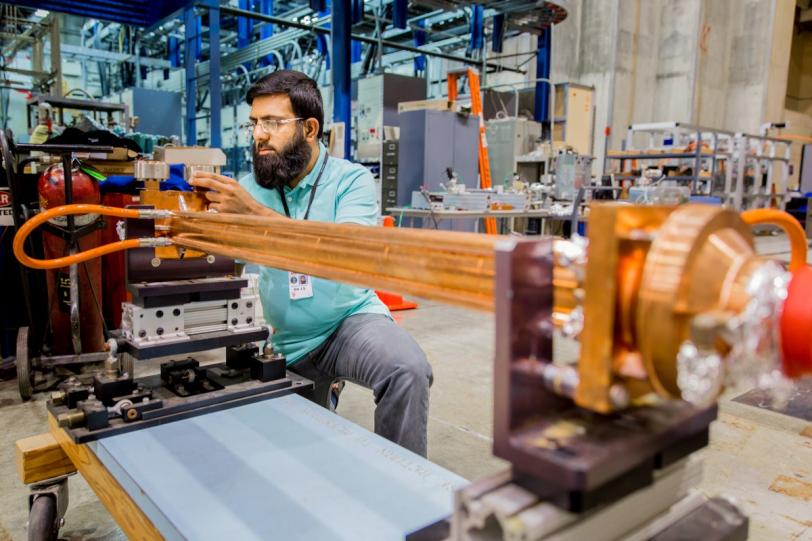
{"type": "Point", "coordinates": [794, 231]}
{"type": "Point", "coordinates": [65, 210]}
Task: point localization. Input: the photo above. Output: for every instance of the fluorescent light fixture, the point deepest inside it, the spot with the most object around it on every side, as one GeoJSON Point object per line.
{"type": "Point", "coordinates": [41, 13]}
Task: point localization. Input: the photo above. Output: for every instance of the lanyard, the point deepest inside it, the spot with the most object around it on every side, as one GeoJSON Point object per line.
{"type": "Point", "coordinates": [312, 192]}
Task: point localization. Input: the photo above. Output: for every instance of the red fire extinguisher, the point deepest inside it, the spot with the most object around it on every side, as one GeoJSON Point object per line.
{"type": "Point", "coordinates": [73, 331]}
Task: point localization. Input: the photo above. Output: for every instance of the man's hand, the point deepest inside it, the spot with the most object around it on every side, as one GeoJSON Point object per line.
{"type": "Point", "coordinates": [226, 195]}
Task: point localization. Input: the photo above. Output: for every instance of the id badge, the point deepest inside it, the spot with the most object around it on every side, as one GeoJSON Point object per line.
{"type": "Point", "coordinates": [300, 286]}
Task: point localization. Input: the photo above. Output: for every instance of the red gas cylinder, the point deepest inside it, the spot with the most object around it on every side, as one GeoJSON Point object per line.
{"type": "Point", "coordinates": [51, 190]}
{"type": "Point", "coordinates": [796, 325]}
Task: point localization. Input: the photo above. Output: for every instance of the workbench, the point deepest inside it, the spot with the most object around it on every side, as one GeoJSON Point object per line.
{"type": "Point", "coordinates": [283, 468]}
{"type": "Point", "coordinates": [509, 216]}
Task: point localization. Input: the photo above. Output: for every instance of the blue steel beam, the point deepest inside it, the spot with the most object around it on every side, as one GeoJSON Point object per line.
{"type": "Point", "coordinates": [215, 103]}
{"type": "Point", "coordinates": [477, 27]}
{"type": "Point", "coordinates": [190, 43]}
{"type": "Point", "coordinates": [399, 12]}
{"type": "Point", "coordinates": [419, 40]}
{"type": "Point", "coordinates": [357, 16]}
{"type": "Point", "coordinates": [245, 27]}
{"type": "Point", "coordinates": [498, 37]}
{"type": "Point", "coordinates": [542, 97]}
{"type": "Point", "coordinates": [341, 29]}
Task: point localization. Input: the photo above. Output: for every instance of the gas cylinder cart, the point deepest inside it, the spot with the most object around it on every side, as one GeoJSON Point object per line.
{"type": "Point", "coordinates": [65, 326]}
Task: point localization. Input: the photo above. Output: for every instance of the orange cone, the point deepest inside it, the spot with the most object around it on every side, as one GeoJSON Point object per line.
{"type": "Point", "coordinates": [391, 300]}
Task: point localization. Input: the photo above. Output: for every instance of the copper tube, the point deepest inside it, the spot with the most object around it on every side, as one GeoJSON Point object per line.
{"type": "Point", "coordinates": [451, 267]}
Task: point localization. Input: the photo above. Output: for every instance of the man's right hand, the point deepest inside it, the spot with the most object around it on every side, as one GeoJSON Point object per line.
{"type": "Point", "coordinates": [227, 195]}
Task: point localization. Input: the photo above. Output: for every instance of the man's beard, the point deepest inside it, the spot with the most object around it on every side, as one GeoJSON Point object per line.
{"type": "Point", "coordinates": [276, 170]}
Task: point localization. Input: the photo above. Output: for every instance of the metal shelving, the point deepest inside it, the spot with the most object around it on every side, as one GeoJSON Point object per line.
{"type": "Point", "coordinates": [704, 150]}
{"type": "Point", "coordinates": [744, 170]}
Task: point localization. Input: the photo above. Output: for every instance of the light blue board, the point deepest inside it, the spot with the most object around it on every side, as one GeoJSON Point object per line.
{"type": "Point", "coordinates": [279, 469]}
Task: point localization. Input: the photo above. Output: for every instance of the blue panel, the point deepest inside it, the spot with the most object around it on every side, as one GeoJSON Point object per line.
{"type": "Point", "coordinates": [214, 78]}
{"type": "Point", "coordinates": [157, 111]}
{"type": "Point", "coordinates": [341, 30]}
{"type": "Point", "coordinates": [543, 71]}
{"type": "Point", "coordinates": [399, 13]}
{"type": "Point", "coordinates": [282, 469]}
{"type": "Point", "coordinates": [319, 6]}
{"type": "Point", "coordinates": [191, 84]}
{"type": "Point", "coordinates": [498, 37]}
{"type": "Point", "coordinates": [477, 27]}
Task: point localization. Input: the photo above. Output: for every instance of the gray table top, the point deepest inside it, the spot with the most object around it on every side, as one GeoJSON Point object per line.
{"type": "Point", "coordinates": [516, 213]}
{"type": "Point", "coordinates": [283, 468]}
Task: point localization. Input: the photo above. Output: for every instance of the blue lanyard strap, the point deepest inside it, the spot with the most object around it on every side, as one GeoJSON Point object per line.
{"type": "Point", "coordinates": [312, 192]}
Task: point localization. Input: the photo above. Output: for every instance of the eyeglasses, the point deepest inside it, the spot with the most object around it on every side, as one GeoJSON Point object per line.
{"type": "Point", "coordinates": [268, 126]}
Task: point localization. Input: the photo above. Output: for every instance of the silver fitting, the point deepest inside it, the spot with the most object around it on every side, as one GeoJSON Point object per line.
{"type": "Point", "coordinates": [150, 170]}
{"type": "Point", "coordinates": [155, 214]}
{"type": "Point", "coordinates": [154, 242]}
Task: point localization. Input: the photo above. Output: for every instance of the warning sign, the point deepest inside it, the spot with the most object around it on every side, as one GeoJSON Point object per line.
{"type": "Point", "coordinates": [6, 212]}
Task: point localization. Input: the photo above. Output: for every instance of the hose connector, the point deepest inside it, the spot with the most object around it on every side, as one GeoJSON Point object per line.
{"type": "Point", "coordinates": [155, 214]}
{"type": "Point", "coordinates": [154, 242]}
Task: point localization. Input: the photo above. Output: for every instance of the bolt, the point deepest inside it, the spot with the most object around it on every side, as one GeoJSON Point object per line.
{"type": "Point", "coordinates": [70, 419]}
{"type": "Point", "coordinates": [234, 305]}
{"type": "Point", "coordinates": [234, 321]}
{"type": "Point", "coordinates": [159, 313]}
{"type": "Point", "coordinates": [249, 304]}
{"type": "Point", "coordinates": [155, 262]}
{"type": "Point", "coordinates": [619, 396]}
{"type": "Point", "coordinates": [210, 259]}
{"type": "Point", "coordinates": [142, 333]}
{"type": "Point", "coordinates": [249, 320]}
{"type": "Point", "coordinates": [159, 331]}
{"type": "Point", "coordinates": [176, 312]}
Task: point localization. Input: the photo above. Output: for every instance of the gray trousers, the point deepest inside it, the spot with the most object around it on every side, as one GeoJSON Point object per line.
{"type": "Point", "coordinates": [373, 351]}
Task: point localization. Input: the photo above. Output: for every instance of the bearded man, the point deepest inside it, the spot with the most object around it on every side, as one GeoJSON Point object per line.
{"type": "Point", "coordinates": [328, 331]}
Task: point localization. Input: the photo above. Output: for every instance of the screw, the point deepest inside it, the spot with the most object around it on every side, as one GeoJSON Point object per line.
{"type": "Point", "coordinates": [234, 321]}
{"type": "Point", "coordinates": [159, 331]}
{"type": "Point", "coordinates": [176, 312]}
{"type": "Point", "coordinates": [210, 259]}
{"type": "Point", "coordinates": [619, 396]}
{"type": "Point", "coordinates": [234, 305]}
{"type": "Point", "coordinates": [249, 320]}
{"type": "Point", "coordinates": [155, 262]}
{"type": "Point", "coordinates": [249, 304]}
{"type": "Point", "coordinates": [159, 313]}
{"type": "Point", "coordinates": [142, 333]}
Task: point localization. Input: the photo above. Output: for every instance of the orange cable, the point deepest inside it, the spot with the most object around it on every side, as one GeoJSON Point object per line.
{"type": "Point", "coordinates": [794, 231]}
{"type": "Point", "coordinates": [65, 210]}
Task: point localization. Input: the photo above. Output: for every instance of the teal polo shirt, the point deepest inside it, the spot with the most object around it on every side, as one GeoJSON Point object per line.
{"type": "Point", "coordinates": [345, 194]}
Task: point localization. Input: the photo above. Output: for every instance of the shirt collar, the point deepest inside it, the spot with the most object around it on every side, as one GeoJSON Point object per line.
{"type": "Point", "coordinates": [310, 178]}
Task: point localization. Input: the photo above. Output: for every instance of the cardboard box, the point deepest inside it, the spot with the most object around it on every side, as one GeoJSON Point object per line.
{"type": "Point", "coordinates": [437, 105]}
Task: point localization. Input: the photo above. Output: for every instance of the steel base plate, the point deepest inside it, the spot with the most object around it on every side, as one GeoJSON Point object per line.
{"type": "Point", "coordinates": [237, 391]}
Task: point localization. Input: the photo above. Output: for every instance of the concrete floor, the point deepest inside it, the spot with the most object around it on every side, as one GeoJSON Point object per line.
{"type": "Point", "coordinates": [761, 458]}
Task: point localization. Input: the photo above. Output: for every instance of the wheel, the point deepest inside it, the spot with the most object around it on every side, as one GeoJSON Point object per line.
{"type": "Point", "coordinates": [25, 375]}
{"type": "Point", "coordinates": [127, 364]}
{"type": "Point", "coordinates": [43, 524]}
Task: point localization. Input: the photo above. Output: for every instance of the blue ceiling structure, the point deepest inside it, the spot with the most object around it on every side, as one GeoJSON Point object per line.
{"type": "Point", "coordinates": [141, 13]}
